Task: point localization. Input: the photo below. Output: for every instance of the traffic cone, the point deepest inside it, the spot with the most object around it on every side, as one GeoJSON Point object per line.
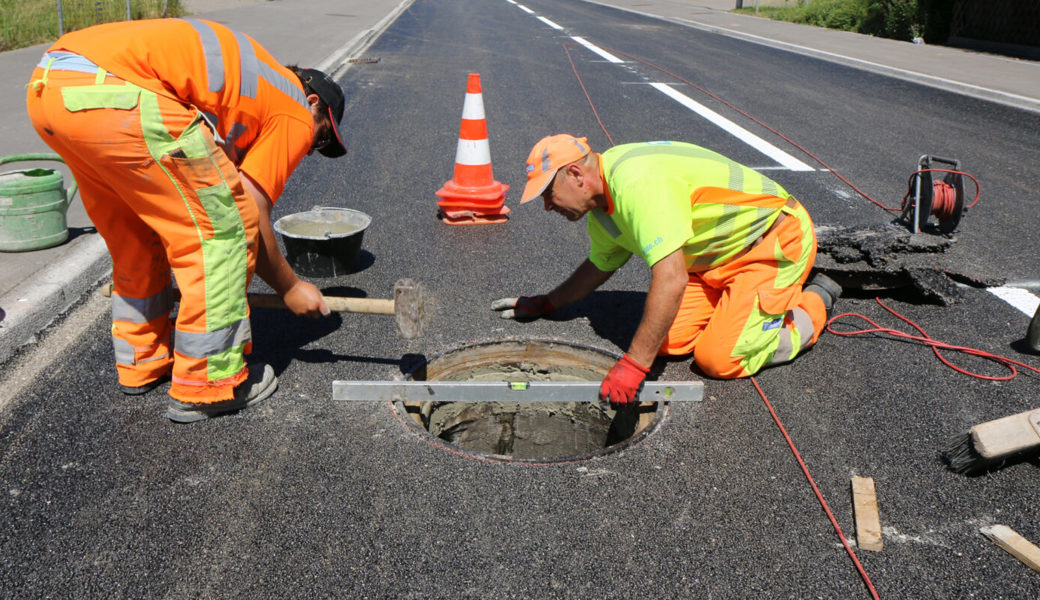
{"type": "Point", "coordinates": [472, 196]}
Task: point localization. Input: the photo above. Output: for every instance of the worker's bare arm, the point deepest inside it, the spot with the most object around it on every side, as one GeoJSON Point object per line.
{"type": "Point", "coordinates": [301, 297]}
{"type": "Point", "coordinates": [668, 278]}
{"type": "Point", "coordinates": [582, 282]}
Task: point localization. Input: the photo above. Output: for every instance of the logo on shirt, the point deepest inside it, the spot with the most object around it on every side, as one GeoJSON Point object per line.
{"type": "Point", "coordinates": [652, 245]}
{"type": "Point", "coordinates": [774, 324]}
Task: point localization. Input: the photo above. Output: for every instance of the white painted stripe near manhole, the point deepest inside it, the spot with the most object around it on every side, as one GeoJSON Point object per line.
{"type": "Point", "coordinates": [732, 128]}
{"type": "Point", "coordinates": [607, 55]}
{"type": "Point", "coordinates": [525, 9]}
{"type": "Point", "coordinates": [1023, 300]}
{"type": "Point", "coordinates": [550, 23]}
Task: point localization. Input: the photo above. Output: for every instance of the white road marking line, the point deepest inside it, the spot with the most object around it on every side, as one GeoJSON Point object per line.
{"type": "Point", "coordinates": [732, 128]}
{"type": "Point", "coordinates": [525, 9]}
{"type": "Point", "coordinates": [607, 55]}
{"type": "Point", "coordinates": [1023, 300]}
{"type": "Point", "coordinates": [550, 23]}
{"type": "Point", "coordinates": [786, 160]}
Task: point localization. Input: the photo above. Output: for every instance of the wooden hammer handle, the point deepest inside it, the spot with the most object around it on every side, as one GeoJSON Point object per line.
{"type": "Point", "coordinates": [372, 306]}
{"type": "Point", "coordinates": [375, 306]}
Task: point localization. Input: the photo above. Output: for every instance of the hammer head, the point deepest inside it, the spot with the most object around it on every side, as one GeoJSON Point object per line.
{"type": "Point", "coordinates": [408, 308]}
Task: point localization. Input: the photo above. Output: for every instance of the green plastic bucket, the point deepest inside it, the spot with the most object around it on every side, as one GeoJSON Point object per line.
{"type": "Point", "coordinates": [33, 204]}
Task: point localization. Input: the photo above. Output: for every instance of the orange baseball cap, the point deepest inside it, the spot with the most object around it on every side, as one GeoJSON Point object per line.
{"type": "Point", "coordinates": [547, 157]}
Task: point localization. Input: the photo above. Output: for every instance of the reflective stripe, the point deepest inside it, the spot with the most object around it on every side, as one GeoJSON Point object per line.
{"type": "Point", "coordinates": [210, 343]}
{"type": "Point", "coordinates": [752, 220]}
{"type": "Point", "coordinates": [736, 176]}
{"type": "Point", "coordinates": [282, 84]}
{"type": "Point", "coordinates": [726, 224]}
{"type": "Point", "coordinates": [213, 53]}
{"type": "Point", "coordinates": [142, 310]}
{"type": "Point", "coordinates": [228, 145]}
{"type": "Point", "coordinates": [606, 222]}
{"type": "Point", "coordinates": [793, 339]}
{"type": "Point", "coordinates": [213, 122]}
{"type": "Point", "coordinates": [124, 351]}
{"type": "Point", "coordinates": [545, 160]}
{"type": "Point", "coordinates": [127, 355]}
{"type": "Point", "coordinates": [659, 149]}
{"type": "Point", "coordinates": [67, 61]}
{"type": "Point", "coordinates": [249, 71]}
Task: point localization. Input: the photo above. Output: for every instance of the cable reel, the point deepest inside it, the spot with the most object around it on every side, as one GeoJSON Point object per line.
{"type": "Point", "coordinates": [943, 198]}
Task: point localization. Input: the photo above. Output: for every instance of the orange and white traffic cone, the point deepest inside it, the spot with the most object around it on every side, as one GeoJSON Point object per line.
{"type": "Point", "coordinates": [472, 196]}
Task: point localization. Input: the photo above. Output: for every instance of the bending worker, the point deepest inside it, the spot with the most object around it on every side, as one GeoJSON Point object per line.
{"type": "Point", "coordinates": [728, 250]}
{"type": "Point", "coordinates": [181, 135]}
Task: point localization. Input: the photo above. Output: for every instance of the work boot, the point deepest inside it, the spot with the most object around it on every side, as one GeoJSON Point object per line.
{"type": "Point", "coordinates": [826, 288]}
{"type": "Point", "coordinates": [259, 386]}
{"type": "Point", "coordinates": [131, 390]}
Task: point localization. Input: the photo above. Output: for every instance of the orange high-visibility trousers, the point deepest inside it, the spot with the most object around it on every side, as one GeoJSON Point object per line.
{"type": "Point", "coordinates": [751, 312]}
{"type": "Point", "coordinates": [163, 196]}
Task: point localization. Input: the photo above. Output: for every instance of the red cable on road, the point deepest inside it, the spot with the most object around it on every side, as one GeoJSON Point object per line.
{"type": "Point", "coordinates": [819, 495]}
{"type": "Point", "coordinates": [587, 97]}
{"type": "Point", "coordinates": [783, 430]}
{"type": "Point", "coordinates": [927, 340]}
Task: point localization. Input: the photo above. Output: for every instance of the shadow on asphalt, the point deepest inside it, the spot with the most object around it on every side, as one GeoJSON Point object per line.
{"type": "Point", "coordinates": [280, 338]}
{"type": "Point", "coordinates": [613, 315]}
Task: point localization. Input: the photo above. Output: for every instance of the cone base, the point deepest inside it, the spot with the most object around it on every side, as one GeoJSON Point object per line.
{"type": "Point", "coordinates": [492, 192]}
{"type": "Point", "coordinates": [468, 217]}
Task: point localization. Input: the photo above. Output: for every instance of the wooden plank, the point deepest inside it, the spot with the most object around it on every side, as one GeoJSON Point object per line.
{"type": "Point", "coordinates": [868, 519]}
{"type": "Point", "coordinates": [1018, 546]}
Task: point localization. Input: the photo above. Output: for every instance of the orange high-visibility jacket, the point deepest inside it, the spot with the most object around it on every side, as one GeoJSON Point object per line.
{"type": "Point", "coordinates": [255, 106]}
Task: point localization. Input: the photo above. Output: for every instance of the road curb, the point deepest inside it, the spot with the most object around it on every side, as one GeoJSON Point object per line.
{"type": "Point", "coordinates": [36, 303]}
{"type": "Point", "coordinates": [335, 64]}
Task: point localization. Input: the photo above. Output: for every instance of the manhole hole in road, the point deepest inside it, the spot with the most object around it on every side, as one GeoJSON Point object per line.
{"type": "Point", "coordinates": [527, 431]}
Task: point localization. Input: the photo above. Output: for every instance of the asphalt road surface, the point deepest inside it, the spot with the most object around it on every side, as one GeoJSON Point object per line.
{"type": "Point", "coordinates": [306, 497]}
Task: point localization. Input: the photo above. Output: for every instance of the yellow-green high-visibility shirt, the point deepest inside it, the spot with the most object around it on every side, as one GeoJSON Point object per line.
{"type": "Point", "coordinates": [662, 196]}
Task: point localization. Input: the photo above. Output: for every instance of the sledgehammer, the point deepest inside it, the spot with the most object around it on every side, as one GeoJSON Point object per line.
{"type": "Point", "coordinates": [406, 305]}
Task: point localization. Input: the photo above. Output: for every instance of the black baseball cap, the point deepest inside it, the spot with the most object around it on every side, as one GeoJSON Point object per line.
{"type": "Point", "coordinates": [332, 95]}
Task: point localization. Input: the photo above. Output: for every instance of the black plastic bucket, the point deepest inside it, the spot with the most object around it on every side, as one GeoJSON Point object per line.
{"type": "Point", "coordinates": [324, 241]}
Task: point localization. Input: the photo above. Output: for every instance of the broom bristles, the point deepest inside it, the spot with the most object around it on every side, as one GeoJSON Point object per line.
{"type": "Point", "coordinates": [961, 456]}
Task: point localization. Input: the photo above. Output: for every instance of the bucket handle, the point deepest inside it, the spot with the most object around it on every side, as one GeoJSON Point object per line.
{"type": "Point", "coordinates": [43, 156]}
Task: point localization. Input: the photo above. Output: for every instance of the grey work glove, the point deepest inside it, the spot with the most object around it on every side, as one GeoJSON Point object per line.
{"type": "Point", "coordinates": [524, 308]}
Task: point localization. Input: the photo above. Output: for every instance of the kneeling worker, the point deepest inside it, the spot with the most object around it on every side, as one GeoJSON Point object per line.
{"type": "Point", "coordinates": [181, 134]}
{"type": "Point", "coordinates": [729, 251]}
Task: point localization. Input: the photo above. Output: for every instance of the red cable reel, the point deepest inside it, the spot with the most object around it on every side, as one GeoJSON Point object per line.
{"type": "Point", "coordinates": [942, 198]}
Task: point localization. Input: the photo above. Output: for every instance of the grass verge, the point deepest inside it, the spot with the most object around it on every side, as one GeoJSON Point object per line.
{"type": "Point", "coordinates": [27, 22]}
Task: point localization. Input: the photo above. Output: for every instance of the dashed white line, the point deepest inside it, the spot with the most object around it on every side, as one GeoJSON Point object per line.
{"type": "Point", "coordinates": [732, 128]}
{"type": "Point", "coordinates": [607, 55]}
{"type": "Point", "coordinates": [1023, 300]}
{"type": "Point", "coordinates": [786, 160]}
{"type": "Point", "coordinates": [550, 23]}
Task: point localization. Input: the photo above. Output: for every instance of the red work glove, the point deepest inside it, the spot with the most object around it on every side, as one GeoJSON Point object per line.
{"type": "Point", "coordinates": [524, 308]}
{"type": "Point", "coordinates": [622, 382]}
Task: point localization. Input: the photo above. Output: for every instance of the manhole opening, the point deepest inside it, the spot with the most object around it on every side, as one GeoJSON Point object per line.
{"type": "Point", "coordinates": [528, 431]}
